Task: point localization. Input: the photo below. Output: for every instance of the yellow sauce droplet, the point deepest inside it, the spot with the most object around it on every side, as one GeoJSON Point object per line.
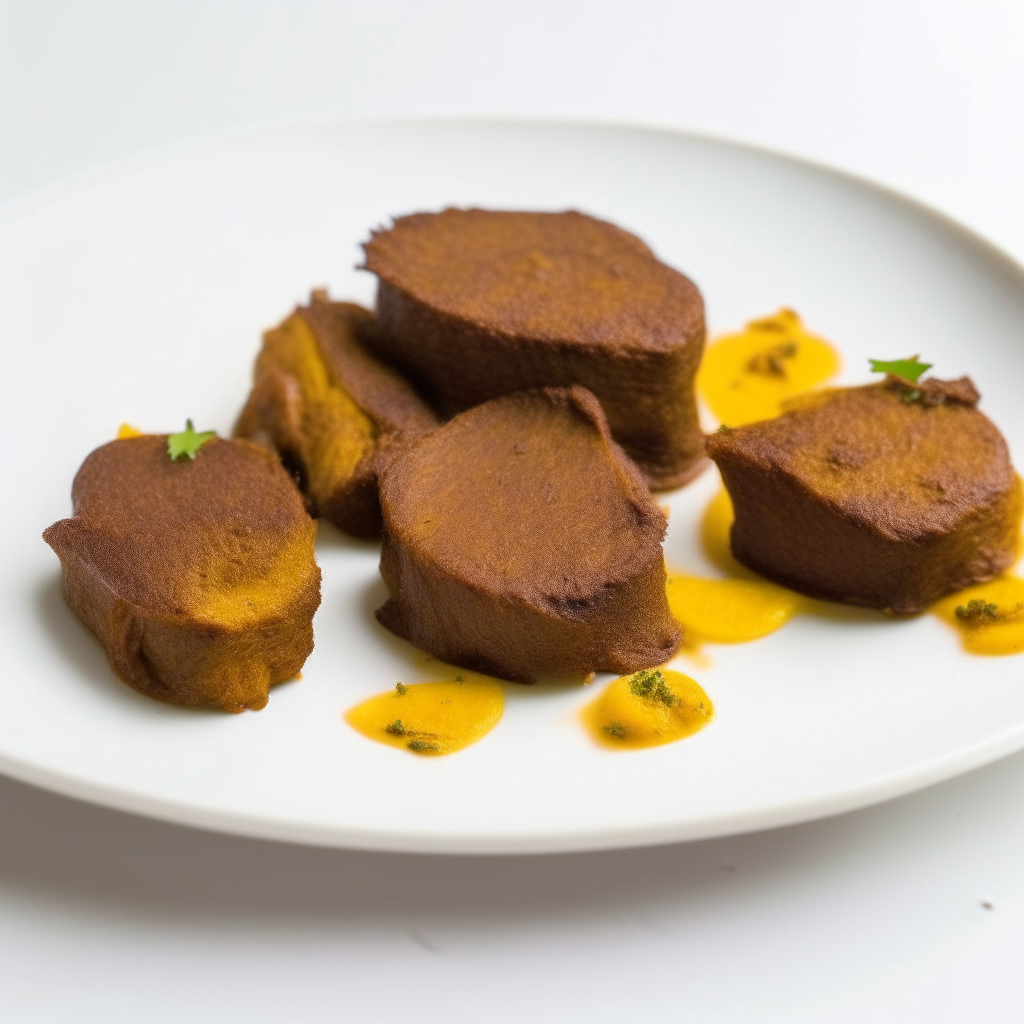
{"type": "Point", "coordinates": [636, 711]}
{"type": "Point", "coordinates": [748, 376]}
{"type": "Point", "coordinates": [431, 718]}
{"type": "Point", "coordinates": [989, 617]}
{"type": "Point", "coordinates": [729, 611]}
{"type": "Point", "coordinates": [127, 430]}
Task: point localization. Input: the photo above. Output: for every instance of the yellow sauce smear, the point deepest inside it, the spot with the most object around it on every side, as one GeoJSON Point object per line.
{"type": "Point", "coordinates": [127, 430]}
{"type": "Point", "coordinates": [989, 617]}
{"type": "Point", "coordinates": [431, 718]}
{"type": "Point", "coordinates": [748, 376]}
{"type": "Point", "coordinates": [729, 611]}
{"type": "Point", "coordinates": [648, 709]}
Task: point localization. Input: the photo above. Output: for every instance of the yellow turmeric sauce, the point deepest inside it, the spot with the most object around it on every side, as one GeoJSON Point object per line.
{"type": "Point", "coordinates": [727, 611]}
{"type": "Point", "coordinates": [647, 709]}
{"type": "Point", "coordinates": [748, 376]}
{"type": "Point", "coordinates": [989, 617]}
{"type": "Point", "coordinates": [431, 718]}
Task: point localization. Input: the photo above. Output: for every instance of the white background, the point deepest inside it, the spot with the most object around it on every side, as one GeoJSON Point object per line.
{"type": "Point", "coordinates": [878, 915]}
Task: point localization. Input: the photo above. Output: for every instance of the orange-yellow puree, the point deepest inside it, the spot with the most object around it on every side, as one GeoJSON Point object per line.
{"type": "Point", "coordinates": [748, 376]}
{"type": "Point", "coordinates": [432, 718]}
{"type": "Point", "coordinates": [991, 616]}
{"type": "Point", "coordinates": [727, 611]}
{"type": "Point", "coordinates": [127, 430]}
{"type": "Point", "coordinates": [632, 713]}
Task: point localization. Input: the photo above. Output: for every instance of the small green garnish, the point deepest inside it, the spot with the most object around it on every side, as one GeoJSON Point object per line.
{"type": "Point", "coordinates": [421, 745]}
{"type": "Point", "coordinates": [910, 369]}
{"type": "Point", "coordinates": [978, 612]}
{"type": "Point", "coordinates": [724, 428]}
{"type": "Point", "coordinates": [910, 396]}
{"type": "Point", "coordinates": [770, 362]}
{"type": "Point", "coordinates": [652, 686]}
{"type": "Point", "coordinates": [459, 679]}
{"type": "Point", "coordinates": [395, 728]}
{"type": "Point", "coordinates": [616, 729]}
{"type": "Point", "coordinates": [401, 689]}
{"type": "Point", "coordinates": [188, 442]}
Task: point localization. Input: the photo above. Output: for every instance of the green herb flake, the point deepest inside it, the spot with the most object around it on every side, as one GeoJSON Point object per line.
{"type": "Point", "coordinates": [459, 679]}
{"type": "Point", "coordinates": [724, 428]}
{"type": "Point", "coordinates": [395, 728]}
{"type": "Point", "coordinates": [616, 729]}
{"type": "Point", "coordinates": [770, 362]}
{"type": "Point", "coordinates": [401, 689]}
{"type": "Point", "coordinates": [651, 686]}
{"type": "Point", "coordinates": [910, 396]}
{"type": "Point", "coordinates": [978, 612]}
{"type": "Point", "coordinates": [421, 745]}
{"type": "Point", "coordinates": [188, 442]}
{"type": "Point", "coordinates": [910, 369]}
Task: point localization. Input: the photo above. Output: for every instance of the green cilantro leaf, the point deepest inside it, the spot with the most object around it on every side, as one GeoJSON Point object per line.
{"type": "Point", "coordinates": [910, 368]}
{"type": "Point", "coordinates": [188, 442]}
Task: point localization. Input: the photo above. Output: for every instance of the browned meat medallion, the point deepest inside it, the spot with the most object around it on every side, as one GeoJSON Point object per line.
{"type": "Point", "coordinates": [890, 495]}
{"type": "Point", "coordinates": [333, 412]}
{"type": "Point", "coordinates": [480, 303]}
{"type": "Point", "coordinates": [197, 577]}
{"type": "Point", "coordinates": [519, 540]}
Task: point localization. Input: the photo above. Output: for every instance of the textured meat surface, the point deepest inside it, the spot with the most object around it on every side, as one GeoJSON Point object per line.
{"type": "Point", "coordinates": [873, 496]}
{"type": "Point", "coordinates": [518, 540]}
{"type": "Point", "coordinates": [333, 412]}
{"type": "Point", "coordinates": [478, 303]}
{"type": "Point", "coordinates": [197, 577]}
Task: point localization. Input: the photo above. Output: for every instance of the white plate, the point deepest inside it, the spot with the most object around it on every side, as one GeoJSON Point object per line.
{"type": "Point", "coordinates": [140, 295]}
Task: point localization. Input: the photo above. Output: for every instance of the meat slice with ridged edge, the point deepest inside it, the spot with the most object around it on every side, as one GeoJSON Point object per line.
{"type": "Point", "coordinates": [475, 304]}
{"type": "Point", "coordinates": [197, 576]}
{"type": "Point", "coordinates": [890, 495]}
{"type": "Point", "coordinates": [519, 540]}
{"type": "Point", "coordinates": [333, 412]}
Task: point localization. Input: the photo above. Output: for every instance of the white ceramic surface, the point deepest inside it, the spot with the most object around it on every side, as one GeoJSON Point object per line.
{"type": "Point", "coordinates": [139, 295]}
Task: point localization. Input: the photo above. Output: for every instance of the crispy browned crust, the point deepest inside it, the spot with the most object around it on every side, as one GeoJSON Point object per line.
{"type": "Point", "coordinates": [890, 496]}
{"type": "Point", "coordinates": [520, 540]}
{"type": "Point", "coordinates": [380, 412]}
{"type": "Point", "coordinates": [478, 303]}
{"type": "Point", "coordinates": [197, 577]}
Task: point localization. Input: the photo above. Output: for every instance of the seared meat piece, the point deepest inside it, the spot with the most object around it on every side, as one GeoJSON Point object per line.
{"type": "Point", "coordinates": [334, 413]}
{"type": "Point", "coordinates": [479, 303]}
{"type": "Point", "coordinates": [519, 540]}
{"type": "Point", "coordinates": [197, 577]}
{"type": "Point", "coordinates": [890, 495]}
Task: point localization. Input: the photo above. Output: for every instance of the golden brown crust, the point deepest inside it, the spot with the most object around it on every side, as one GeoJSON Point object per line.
{"type": "Point", "coordinates": [197, 577]}
{"type": "Point", "coordinates": [890, 495]}
{"type": "Point", "coordinates": [477, 303]}
{"type": "Point", "coordinates": [520, 540]}
{"type": "Point", "coordinates": [334, 413]}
